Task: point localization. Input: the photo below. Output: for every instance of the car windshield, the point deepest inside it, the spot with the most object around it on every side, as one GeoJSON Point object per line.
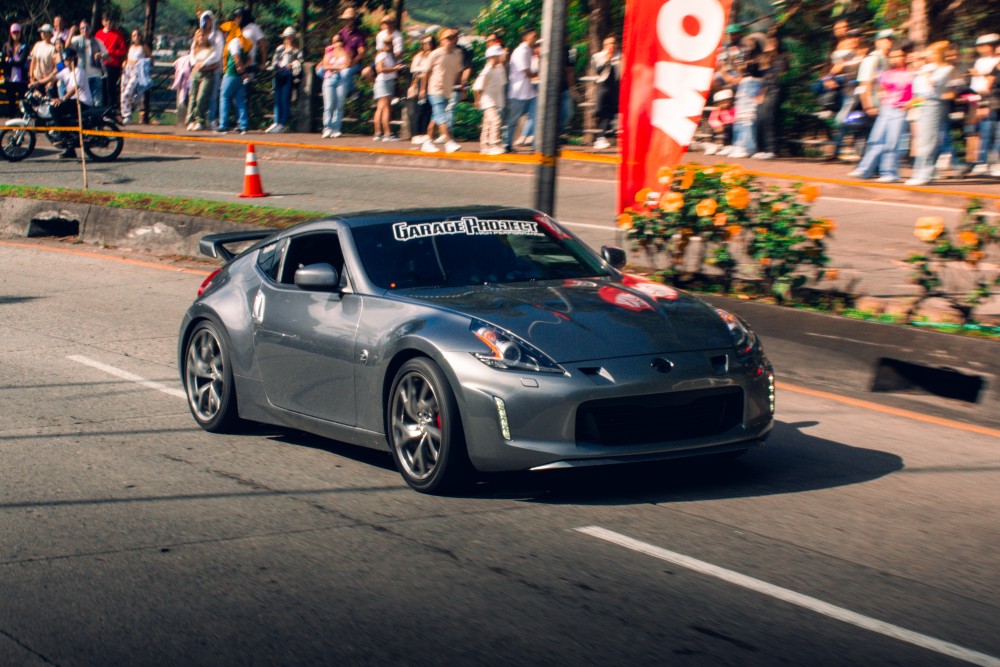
{"type": "Point", "coordinates": [461, 251]}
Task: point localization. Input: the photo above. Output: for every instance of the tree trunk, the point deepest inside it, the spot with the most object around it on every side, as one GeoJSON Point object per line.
{"type": "Point", "coordinates": [96, 15]}
{"type": "Point", "coordinates": [919, 24]}
{"type": "Point", "coordinates": [398, 8]}
{"type": "Point", "coordinates": [599, 24]}
{"type": "Point", "coordinates": [148, 35]}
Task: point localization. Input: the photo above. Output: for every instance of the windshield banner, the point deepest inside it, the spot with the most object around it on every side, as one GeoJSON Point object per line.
{"type": "Point", "coordinates": [666, 77]}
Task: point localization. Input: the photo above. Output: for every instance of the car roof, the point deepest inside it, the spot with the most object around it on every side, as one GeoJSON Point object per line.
{"type": "Point", "coordinates": [413, 215]}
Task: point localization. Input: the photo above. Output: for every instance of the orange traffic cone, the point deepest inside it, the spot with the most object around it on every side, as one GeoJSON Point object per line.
{"type": "Point", "coordinates": [252, 187]}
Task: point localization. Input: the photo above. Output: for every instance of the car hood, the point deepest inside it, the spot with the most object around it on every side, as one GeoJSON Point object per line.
{"type": "Point", "coordinates": [579, 320]}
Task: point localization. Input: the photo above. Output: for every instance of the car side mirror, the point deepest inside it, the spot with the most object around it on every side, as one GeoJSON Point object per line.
{"type": "Point", "coordinates": [318, 278]}
{"type": "Point", "coordinates": [616, 257]}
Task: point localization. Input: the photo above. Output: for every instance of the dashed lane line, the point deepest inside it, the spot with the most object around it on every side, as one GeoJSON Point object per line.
{"type": "Point", "coordinates": [125, 375]}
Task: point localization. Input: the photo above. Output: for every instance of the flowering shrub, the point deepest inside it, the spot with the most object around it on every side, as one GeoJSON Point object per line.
{"type": "Point", "coordinates": [763, 234]}
{"type": "Point", "coordinates": [965, 247]}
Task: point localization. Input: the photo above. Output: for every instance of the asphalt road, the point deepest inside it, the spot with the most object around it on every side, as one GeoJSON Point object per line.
{"type": "Point", "coordinates": [129, 536]}
{"type": "Point", "coordinates": [872, 240]}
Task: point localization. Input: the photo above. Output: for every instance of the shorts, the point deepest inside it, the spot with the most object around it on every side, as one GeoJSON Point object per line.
{"type": "Point", "coordinates": [384, 88]}
{"type": "Point", "coordinates": [439, 110]}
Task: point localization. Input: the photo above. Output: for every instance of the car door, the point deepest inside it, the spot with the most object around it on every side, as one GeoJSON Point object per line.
{"type": "Point", "coordinates": [304, 340]}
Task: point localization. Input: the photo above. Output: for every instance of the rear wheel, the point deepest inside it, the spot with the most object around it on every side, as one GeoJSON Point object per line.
{"type": "Point", "coordinates": [208, 380]}
{"type": "Point", "coordinates": [100, 148]}
{"type": "Point", "coordinates": [425, 429]}
{"type": "Point", "coordinates": [16, 144]}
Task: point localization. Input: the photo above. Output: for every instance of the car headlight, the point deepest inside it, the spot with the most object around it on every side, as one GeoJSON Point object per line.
{"type": "Point", "coordinates": [509, 352]}
{"type": "Point", "coordinates": [744, 339]}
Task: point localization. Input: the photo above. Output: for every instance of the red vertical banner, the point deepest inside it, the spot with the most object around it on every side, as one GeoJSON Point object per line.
{"type": "Point", "coordinates": [669, 51]}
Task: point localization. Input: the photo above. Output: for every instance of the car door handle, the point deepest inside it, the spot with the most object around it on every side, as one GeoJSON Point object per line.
{"type": "Point", "coordinates": [258, 308]}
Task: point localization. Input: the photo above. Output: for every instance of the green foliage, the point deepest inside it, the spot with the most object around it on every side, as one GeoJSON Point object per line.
{"type": "Point", "coordinates": [512, 18]}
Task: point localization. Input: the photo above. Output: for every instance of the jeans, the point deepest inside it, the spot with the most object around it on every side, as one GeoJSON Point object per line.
{"type": "Point", "coordinates": [345, 86]}
{"type": "Point", "coordinates": [885, 143]}
{"type": "Point", "coordinates": [282, 96]}
{"type": "Point", "coordinates": [928, 140]}
{"type": "Point", "coordinates": [213, 104]}
{"type": "Point", "coordinates": [745, 136]}
{"type": "Point", "coordinates": [331, 102]}
{"type": "Point", "coordinates": [515, 109]}
{"type": "Point", "coordinates": [439, 110]}
{"type": "Point", "coordinates": [987, 140]}
{"type": "Point", "coordinates": [96, 85]}
{"type": "Point", "coordinates": [233, 90]}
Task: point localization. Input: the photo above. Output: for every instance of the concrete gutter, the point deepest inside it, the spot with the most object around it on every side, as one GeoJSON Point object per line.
{"type": "Point", "coordinates": [897, 366]}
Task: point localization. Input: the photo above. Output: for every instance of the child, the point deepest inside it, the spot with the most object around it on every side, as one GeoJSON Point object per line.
{"type": "Point", "coordinates": [384, 90]}
{"type": "Point", "coordinates": [489, 94]}
{"type": "Point", "coordinates": [745, 122]}
{"type": "Point", "coordinates": [721, 121]}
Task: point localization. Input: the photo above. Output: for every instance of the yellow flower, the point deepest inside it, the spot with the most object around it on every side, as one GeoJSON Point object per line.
{"type": "Point", "coordinates": [831, 274]}
{"type": "Point", "coordinates": [706, 208]}
{"type": "Point", "coordinates": [809, 192]}
{"type": "Point", "coordinates": [968, 238]}
{"type": "Point", "coordinates": [625, 221]}
{"type": "Point", "coordinates": [738, 197]}
{"type": "Point", "coordinates": [929, 228]}
{"type": "Point", "coordinates": [816, 232]}
{"type": "Point", "coordinates": [720, 220]}
{"type": "Point", "coordinates": [642, 195]}
{"type": "Point", "coordinates": [829, 225]}
{"type": "Point", "coordinates": [665, 175]}
{"type": "Point", "coordinates": [733, 175]}
{"type": "Point", "coordinates": [708, 171]}
{"type": "Point", "coordinates": [734, 231]}
{"type": "Point", "coordinates": [672, 202]}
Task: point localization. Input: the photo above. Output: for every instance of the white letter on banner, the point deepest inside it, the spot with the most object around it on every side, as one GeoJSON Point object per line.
{"type": "Point", "coordinates": [676, 40]}
{"type": "Point", "coordinates": [685, 86]}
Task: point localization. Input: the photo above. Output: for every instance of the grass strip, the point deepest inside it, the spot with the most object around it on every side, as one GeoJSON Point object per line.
{"type": "Point", "coordinates": [264, 216]}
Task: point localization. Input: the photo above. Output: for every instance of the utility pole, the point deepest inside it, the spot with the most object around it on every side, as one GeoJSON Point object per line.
{"type": "Point", "coordinates": [553, 72]}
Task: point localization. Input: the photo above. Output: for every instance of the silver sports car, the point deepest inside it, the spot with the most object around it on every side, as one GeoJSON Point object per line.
{"type": "Point", "coordinates": [463, 340]}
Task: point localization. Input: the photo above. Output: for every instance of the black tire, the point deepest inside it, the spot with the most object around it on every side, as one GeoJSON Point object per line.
{"type": "Point", "coordinates": [16, 144]}
{"type": "Point", "coordinates": [424, 429]}
{"type": "Point", "coordinates": [100, 148]}
{"type": "Point", "coordinates": [208, 380]}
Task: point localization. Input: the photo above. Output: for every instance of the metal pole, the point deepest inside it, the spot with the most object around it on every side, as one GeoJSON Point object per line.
{"type": "Point", "coordinates": [553, 72]}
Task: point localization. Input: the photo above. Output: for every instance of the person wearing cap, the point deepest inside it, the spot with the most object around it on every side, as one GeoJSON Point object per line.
{"type": "Point", "coordinates": [116, 44]}
{"type": "Point", "coordinates": [488, 91]}
{"type": "Point", "coordinates": [986, 118]}
{"type": "Point", "coordinates": [720, 121]}
{"type": "Point", "coordinates": [14, 61]}
{"type": "Point", "coordinates": [389, 30]}
{"type": "Point", "coordinates": [607, 66]}
{"type": "Point", "coordinates": [73, 79]}
{"type": "Point", "coordinates": [355, 39]}
{"type": "Point", "coordinates": [91, 53]}
{"type": "Point", "coordinates": [287, 66]}
{"type": "Point", "coordinates": [42, 71]}
{"type": "Point", "coordinates": [235, 72]}
{"type": "Point", "coordinates": [444, 70]}
{"type": "Point", "coordinates": [521, 91]}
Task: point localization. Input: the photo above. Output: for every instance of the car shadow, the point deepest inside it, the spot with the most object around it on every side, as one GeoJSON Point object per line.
{"type": "Point", "coordinates": [792, 461]}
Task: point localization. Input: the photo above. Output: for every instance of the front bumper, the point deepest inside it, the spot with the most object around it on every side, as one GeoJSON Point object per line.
{"type": "Point", "coordinates": [662, 413]}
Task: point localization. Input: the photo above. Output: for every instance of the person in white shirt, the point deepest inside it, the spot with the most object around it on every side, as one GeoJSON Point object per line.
{"type": "Point", "coordinates": [390, 31]}
{"type": "Point", "coordinates": [74, 81]}
{"type": "Point", "coordinates": [384, 90]}
{"type": "Point", "coordinates": [980, 84]}
{"type": "Point", "coordinates": [488, 91]}
{"type": "Point", "coordinates": [253, 32]}
{"type": "Point", "coordinates": [91, 52]}
{"type": "Point", "coordinates": [521, 92]}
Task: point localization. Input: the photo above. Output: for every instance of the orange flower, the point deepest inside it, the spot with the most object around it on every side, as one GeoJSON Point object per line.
{"type": "Point", "coordinates": [688, 179]}
{"type": "Point", "coordinates": [686, 232]}
{"type": "Point", "coordinates": [720, 220]}
{"type": "Point", "coordinates": [831, 274]}
{"type": "Point", "coordinates": [809, 192]}
{"type": "Point", "coordinates": [672, 202]}
{"type": "Point", "coordinates": [816, 232]}
{"type": "Point", "coordinates": [974, 256]}
{"type": "Point", "coordinates": [734, 231]}
{"type": "Point", "coordinates": [706, 208]}
{"type": "Point", "coordinates": [929, 228]}
{"type": "Point", "coordinates": [738, 197]}
{"type": "Point", "coordinates": [779, 206]}
{"type": "Point", "coordinates": [708, 171]}
{"type": "Point", "coordinates": [642, 195]}
{"type": "Point", "coordinates": [968, 238]}
{"type": "Point", "coordinates": [762, 230]}
{"type": "Point", "coordinates": [625, 221]}
{"type": "Point", "coordinates": [829, 225]}
{"type": "Point", "coordinates": [765, 261]}
{"type": "Point", "coordinates": [733, 175]}
{"type": "Point", "coordinates": [665, 175]}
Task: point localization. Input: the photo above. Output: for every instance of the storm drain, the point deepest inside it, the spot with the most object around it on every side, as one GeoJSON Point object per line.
{"type": "Point", "coordinates": [895, 375]}
{"type": "Point", "coordinates": [54, 225]}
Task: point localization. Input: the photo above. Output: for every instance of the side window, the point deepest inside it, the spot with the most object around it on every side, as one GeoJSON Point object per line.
{"type": "Point", "coordinates": [269, 259]}
{"type": "Point", "coordinates": [321, 247]}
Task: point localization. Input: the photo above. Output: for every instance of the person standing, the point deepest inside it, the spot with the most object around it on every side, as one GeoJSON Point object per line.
{"type": "Point", "coordinates": [384, 89]}
{"type": "Point", "coordinates": [521, 91]}
{"type": "Point", "coordinates": [287, 66]}
{"type": "Point", "coordinates": [895, 88]}
{"type": "Point", "coordinates": [258, 51]}
{"type": "Point", "coordinates": [117, 46]}
{"type": "Point", "coordinates": [607, 65]}
{"type": "Point", "coordinates": [748, 99]}
{"type": "Point", "coordinates": [61, 31]}
{"type": "Point", "coordinates": [980, 84]}
{"type": "Point", "coordinates": [136, 76]}
{"type": "Point", "coordinates": [489, 93]}
{"type": "Point", "coordinates": [336, 60]}
{"type": "Point", "coordinates": [233, 89]}
{"type": "Point", "coordinates": [930, 87]}
{"type": "Point", "coordinates": [354, 40]}
{"type": "Point", "coordinates": [42, 71]}
{"type": "Point", "coordinates": [14, 60]}
{"type": "Point", "coordinates": [211, 66]}
{"type": "Point", "coordinates": [91, 53]}
{"type": "Point", "coordinates": [444, 71]}
{"type": "Point", "coordinates": [418, 109]}
{"type": "Point", "coordinates": [204, 66]}
{"type": "Point", "coordinates": [774, 66]}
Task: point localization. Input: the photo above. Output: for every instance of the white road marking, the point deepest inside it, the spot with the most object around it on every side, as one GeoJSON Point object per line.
{"type": "Point", "coordinates": [902, 205]}
{"type": "Point", "coordinates": [125, 375]}
{"type": "Point", "coordinates": [811, 603]}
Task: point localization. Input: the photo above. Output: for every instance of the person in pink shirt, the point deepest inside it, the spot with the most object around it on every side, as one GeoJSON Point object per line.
{"type": "Point", "coordinates": [895, 87]}
{"type": "Point", "coordinates": [721, 121]}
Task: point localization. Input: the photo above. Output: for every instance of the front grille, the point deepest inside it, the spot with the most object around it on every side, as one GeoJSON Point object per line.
{"type": "Point", "coordinates": [640, 420]}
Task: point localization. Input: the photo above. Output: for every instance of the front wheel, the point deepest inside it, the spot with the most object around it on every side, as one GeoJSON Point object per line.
{"type": "Point", "coordinates": [425, 429]}
{"type": "Point", "coordinates": [208, 380]}
{"type": "Point", "coordinates": [100, 148]}
{"type": "Point", "coordinates": [16, 144]}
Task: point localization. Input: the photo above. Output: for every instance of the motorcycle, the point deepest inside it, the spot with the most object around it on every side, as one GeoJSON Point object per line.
{"type": "Point", "coordinates": [17, 139]}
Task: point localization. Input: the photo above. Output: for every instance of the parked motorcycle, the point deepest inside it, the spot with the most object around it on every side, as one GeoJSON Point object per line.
{"type": "Point", "coordinates": [17, 139]}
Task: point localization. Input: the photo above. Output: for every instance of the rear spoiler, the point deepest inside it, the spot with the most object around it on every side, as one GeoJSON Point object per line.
{"type": "Point", "coordinates": [214, 245]}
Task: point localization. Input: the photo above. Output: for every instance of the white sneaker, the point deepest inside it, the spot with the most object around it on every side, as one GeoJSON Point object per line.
{"type": "Point", "coordinates": [336, 134]}
{"type": "Point", "coordinates": [377, 137]}
{"type": "Point", "coordinates": [198, 127]}
{"type": "Point", "coordinates": [763, 156]}
{"type": "Point", "coordinates": [429, 147]}
{"type": "Point", "coordinates": [390, 137]}
{"type": "Point", "coordinates": [857, 173]}
{"type": "Point", "coordinates": [918, 181]}
{"type": "Point", "coordinates": [995, 171]}
{"type": "Point", "coordinates": [419, 139]}
{"type": "Point", "coordinates": [440, 140]}
{"type": "Point", "coordinates": [601, 143]}
{"type": "Point", "coordinates": [888, 179]}
{"type": "Point", "coordinates": [126, 120]}
{"type": "Point", "coordinates": [451, 147]}
{"type": "Point", "coordinates": [943, 162]}
{"type": "Point", "coordinates": [495, 150]}
{"type": "Point", "coordinates": [711, 149]}
{"type": "Point", "coordinates": [979, 170]}
{"type": "Point", "coordinates": [725, 150]}
{"type": "Point", "coordinates": [739, 153]}
{"type": "Point", "coordinates": [327, 133]}
{"type": "Point", "coordinates": [274, 127]}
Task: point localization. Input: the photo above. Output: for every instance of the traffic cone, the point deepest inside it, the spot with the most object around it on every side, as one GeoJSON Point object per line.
{"type": "Point", "coordinates": [252, 187]}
